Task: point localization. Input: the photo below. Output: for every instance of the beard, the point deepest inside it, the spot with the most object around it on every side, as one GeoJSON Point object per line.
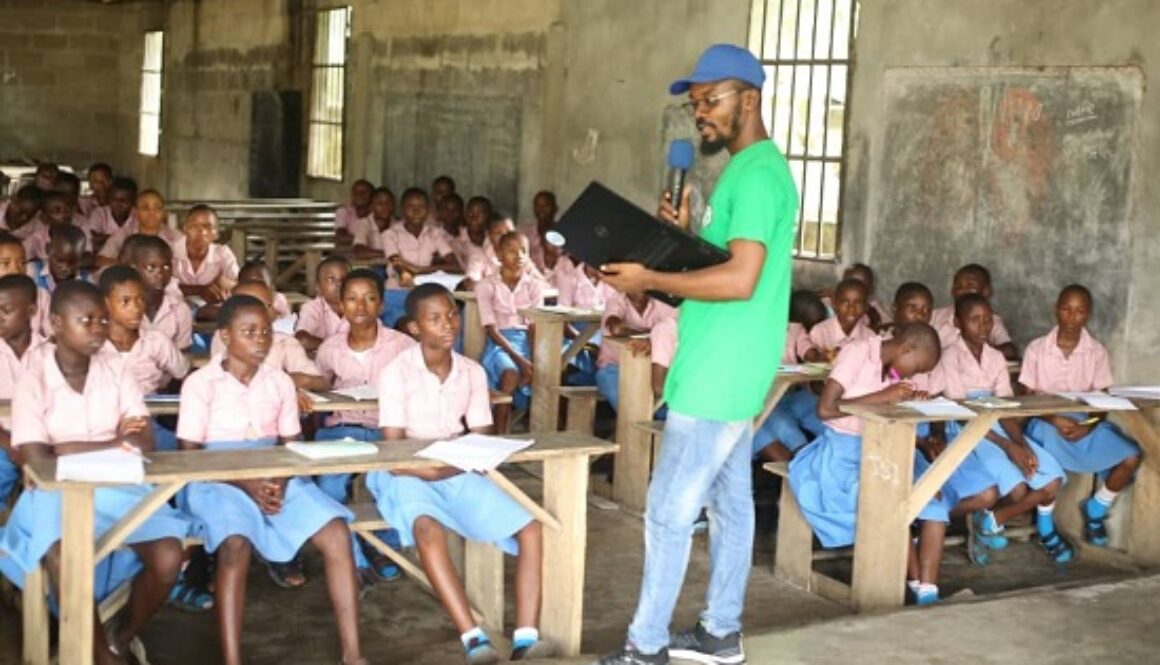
{"type": "Point", "coordinates": [712, 147]}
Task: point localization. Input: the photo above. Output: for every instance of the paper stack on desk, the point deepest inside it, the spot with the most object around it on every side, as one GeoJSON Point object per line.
{"type": "Point", "coordinates": [1139, 392]}
{"type": "Point", "coordinates": [360, 393]}
{"type": "Point", "coordinates": [446, 280]}
{"type": "Point", "coordinates": [474, 452]}
{"type": "Point", "coordinates": [939, 407]}
{"type": "Point", "coordinates": [1101, 401]}
{"type": "Point", "coordinates": [332, 449]}
{"type": "Point", "coordinates": [114, 465]}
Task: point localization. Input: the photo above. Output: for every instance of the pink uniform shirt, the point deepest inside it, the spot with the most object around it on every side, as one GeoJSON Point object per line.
{"type": "Point", "coordinates": [958, 373]}
{"type": "Point", "coordinates": [663, 340]}
{"type": "Point", "coordinates": [620, 307]}
{"type": "Point", "coordinates": [499, 306]}
{"type": "Point", "coordinates": [316, 317]}
{"type": "Point", "coordinates": [219, 261]}
{"type": "Point", "coordinates": [858, 369]}
{"type": "Point", "coordinates": [46, 409]}
{"type": "Point", "coordinates": [1047, 370]}
{"type": "Point", "coordinates": [411, 397]}
{"type": "Point", "coordinates": [797, 344]}
{"type": "Point", "coordinates": [574, 287]}
{"type": "Point", "coordinates": [36, 244]}
{"type": "Point", "coordinates": [173, 319]}
{"type": "Point", "coordinates": [12, 368]}
{"type": "Point", "coordinates": [535, 244]}
{"type": "Point", "coordinates": [112, 248]}
{"type": "Point", "coordinates": [350, 369]}
{"type": "Point", "coordinates": [345, 217]}
{"type": "Point", "coordinates": [153, 361]}
{"type": "Point", "coordinates": [828, 334]}
{"type": "Point", "coordinates": [418, 250]}
{"type": "Point", "coordinates": [216, 407]}
{"type": "Point", "coordinates": [286, 355]}
{"type": "Point", "coordinates": [475, 262]}
{"type": "Point", "coordinates": [943, 321]}
{"type": "Point", "coordinates": [367, 233]}
{"type": "Point", "coordinates": [101, 221]}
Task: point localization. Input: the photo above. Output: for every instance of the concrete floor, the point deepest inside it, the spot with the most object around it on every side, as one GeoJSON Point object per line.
{"type": "Point", "coordinates": [403, 624]}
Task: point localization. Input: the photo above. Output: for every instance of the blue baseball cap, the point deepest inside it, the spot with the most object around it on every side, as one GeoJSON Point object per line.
{"type": "Point", "coordinates": [720, 62]}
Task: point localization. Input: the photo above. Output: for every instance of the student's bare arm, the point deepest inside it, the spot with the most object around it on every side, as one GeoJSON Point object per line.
{"type": "Point", "coordinates": [831, 400]}
{"type": "Point", "coordinates": [309, 381]}
{"type": "Point", "coordinates": [308, 341]}
{"type": "Point", "coordinates": [735, 279]}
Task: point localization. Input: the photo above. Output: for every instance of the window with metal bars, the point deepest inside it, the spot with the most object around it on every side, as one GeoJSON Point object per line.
{"type": "Point", "coordinates": [324, 151]}
{"type": "Point", "coordinates": [149, 126]}
{"type": "Point", "coordinates": [807, 49]}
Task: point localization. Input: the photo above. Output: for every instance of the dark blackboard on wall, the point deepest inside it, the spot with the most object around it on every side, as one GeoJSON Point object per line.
{"type": "Point", "coordinates": [1025, 170]}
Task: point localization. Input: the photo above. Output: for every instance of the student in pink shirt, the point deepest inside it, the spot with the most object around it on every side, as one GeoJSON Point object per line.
{"type": "Point", "coordinates": [367, 232]}
{"type": "Point", "coordinates": [100, 177]}
{"type": "Point", "coordinates": [57, 212]}
{"type": "Point", "coordinates": [256, 271]}
{"type": "Point", "coordinates": [151, 221]}
{"type": "Point", "coordinates": [824, 476]}
{"type": "Point", "coordinates": [431, 392]}
{"type": "Point", "coordinates": [544, 208]}
{"type": "Point", "coordinates": [877, 314]}
{"type": "Point", "coordinates": [65, 253]}
{"type": "Point", "coordinates": [12, 263]}
{"type": "Point", "coordinates": [450, 213]}
{"type": "Point", "coordinates": [1070, 359]}
{"type": "Point", "coordinates": [321, 316]}
{"type": "Point", "coordinates": [846, 326]}
{"type": "Point", "coordinates": [18, 214]}
{"type": "Point", "coordinates": [151, 357]}
{"type": "Point", "coordinates": [413, 248]}
{"type": "Point", "coordinates": [46, 174]}
{"type": "Point", "coordinates": [625, 314]}
{"type": "Point", "coordinates": [441, 187]}
{"type": "Point", "coordinates": [17, 339]}
{"type": "Point", "coordinates": [109, 218]}
{"type": "Point", "coordinates": [348, 214]}
{"type": "Point", "coordinates": [237, 402]}
{"type": "Point", "coordinates": [474, 256]}
{"type": "Point", "coordinates": [972, 278]}
{"type": "Point", "coordinates": [165, 308]}
{"type": "Point", "coordinates": [73, 397]}
{"type": "Point", "coordinates": [507, 354]}
{"type": "Point", "coordinates": [203, 268]}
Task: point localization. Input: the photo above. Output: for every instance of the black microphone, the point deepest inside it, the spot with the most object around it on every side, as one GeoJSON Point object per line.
{"type": "Point", "coordinates": [680, 161]}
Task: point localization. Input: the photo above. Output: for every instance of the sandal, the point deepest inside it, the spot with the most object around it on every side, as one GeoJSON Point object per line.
{"type": "Point", "coordinates": [288, 574]}
{"type": "Point", "coordinates": [189, 598]}
{"type": "Point", "coordinates": [1095, 529]}
{"type": "Point", "coordinates": [976, 550]}
{"type": "Point", "coordinates": [1057, 548]}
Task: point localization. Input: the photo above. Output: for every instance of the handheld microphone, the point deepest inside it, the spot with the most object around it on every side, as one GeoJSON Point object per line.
{"type": "Point", "coordinates": [680, 161]}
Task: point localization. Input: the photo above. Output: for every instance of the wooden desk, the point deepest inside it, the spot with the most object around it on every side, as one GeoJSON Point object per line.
{"type": "Point", "coordinates": [474, 336]}
{"type": "Point", "coordinates": [564, 456]}
{"type": "Point", "coordinates": [157, 407]}
{"type": "Point", "coordinates": [889, 500]}
{"type": "Point", "coordinates": [549, 359]}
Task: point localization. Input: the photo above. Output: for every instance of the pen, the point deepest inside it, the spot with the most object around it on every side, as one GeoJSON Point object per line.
{"type": "Point", "coordinates": [894, 375]}
{"type": "Point", "coordinates": [1090, 421]}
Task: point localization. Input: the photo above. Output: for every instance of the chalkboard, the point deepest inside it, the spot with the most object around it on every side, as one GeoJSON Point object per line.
{"type": "Point", "coordinates": [1027, 171]}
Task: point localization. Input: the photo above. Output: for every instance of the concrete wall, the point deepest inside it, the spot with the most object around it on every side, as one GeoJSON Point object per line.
{"type": "Point", "coordinates": [1014, 33]}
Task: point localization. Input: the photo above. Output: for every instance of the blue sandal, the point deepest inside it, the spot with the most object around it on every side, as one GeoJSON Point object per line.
{"type": "Point", "coordinates": [1057, 548]}
{"type": "Point", "coordinates": [1095, 529]}
{"type": "Point", "coordinates": [187, 597]}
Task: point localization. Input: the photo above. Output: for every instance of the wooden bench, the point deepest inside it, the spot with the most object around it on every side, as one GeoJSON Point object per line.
{"type": "Point", "coordinates": [548, 359]}
{"type": "Point", "coordinates": [580, 407]}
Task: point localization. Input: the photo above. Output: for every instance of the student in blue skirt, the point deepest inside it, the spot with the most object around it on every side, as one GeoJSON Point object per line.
{"type": "Point", "coordinates": [236, 402]}
{"type": "Point", "coordinates": [75, 397]}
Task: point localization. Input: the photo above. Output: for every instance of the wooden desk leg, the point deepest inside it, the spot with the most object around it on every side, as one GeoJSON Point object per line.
{"type": "Point", "coordinates": [882, 533]}
{"type": "Point", "coordinates": [793, 560]}
{"type": "Point", "coordinates": [483, 580]}
{"type": "Point", "coordinates": [271, 253]}
{"type": "Point", "coordinates": [313, 258]}
{"type": "Point", "coordinates": [238, 245]}
{"type": "Point", "coordinates": [549, 339]}
{"type": "Point", "coordinates": [565, 496]}
{"type": "Point", "coordinates": [1144, 532]}
{"type": "Point", "coordinates": [76, 615]}
{"type": "Point", "coordinates": [36, 625]}
{"type": "Point", "coordinates": [630, 477]}
{"type": "Point", "coordinates": [473, 335]}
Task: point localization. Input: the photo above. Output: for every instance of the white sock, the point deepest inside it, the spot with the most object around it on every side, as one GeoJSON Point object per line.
{"type": "Point", "coordinates": [913, 585]}
{"type": "Point", "coordinates": [923, 587]}
{"type": "Point", "coordinates": [1046, 510]}
{"type": "Point", "coordinates": [1106, 496]}
{"type": "Point", "coordinates": [525, 635]}
{"type": "Point", "coordinates": [472, 634]}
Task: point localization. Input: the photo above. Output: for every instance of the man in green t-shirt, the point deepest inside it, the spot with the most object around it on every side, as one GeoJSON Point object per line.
{"type": "Point", "coordinates": [730, 334]}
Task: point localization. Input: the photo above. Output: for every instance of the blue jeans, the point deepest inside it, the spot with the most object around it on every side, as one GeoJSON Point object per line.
{"type": "Point", "coordinates": [703, 463]}
{"type": "Point", "coordinates": [163, 437]}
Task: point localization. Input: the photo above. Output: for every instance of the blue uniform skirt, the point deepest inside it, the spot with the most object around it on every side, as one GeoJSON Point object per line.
{"type": "Point", "coordinates": [824, 477]}
{"type": "Point", "coordinates": [793, 422]}
{"type": "Point", "coordinates": [496, 361]}
{"type": "Point", "coordinates": [999, 468]}
{"type": "Point", "coordinates": [1101, 450]}
{"type": "Point", "coordinates": [35, 525]}
{"type": "Point", "coordinates": [469, 504]}
{"type": "Point", "coordinates": [222, 510]}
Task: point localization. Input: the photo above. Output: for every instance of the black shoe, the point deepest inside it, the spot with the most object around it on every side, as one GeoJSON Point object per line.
{"type": "Point", "coordinates": [699, 646]}
{"type": "Point", "coordinates": [630, 656]}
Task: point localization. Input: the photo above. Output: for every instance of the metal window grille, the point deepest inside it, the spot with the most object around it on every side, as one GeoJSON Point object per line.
{"type": "Point", "coordinates": [149, 136]}
{"type": "Point", "coordinates": [324, 153]}
{"type": "Point", "coordinates": [807, 49]}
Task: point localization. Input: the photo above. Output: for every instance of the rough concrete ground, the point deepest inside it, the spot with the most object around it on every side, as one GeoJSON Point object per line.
{"type": "Point", "coordinates": [403, 624]}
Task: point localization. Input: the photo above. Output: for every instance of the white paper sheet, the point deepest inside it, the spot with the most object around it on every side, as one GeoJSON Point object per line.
{"type": "Point", "coordinates": [474, 452]}
{"type": "Point", "coordinates": [991, 402]}
{"type": "Point", "coordinates": [160, 397]}
{"type": "Point", "coordinates": [360, 393]}
{"type": "Point", "coordinates": [1142, 392]}
{"type": "Point", "coordinates": [447, 280]}
{"type": "Point", "coordinates": [285, 324]}
{"type": "Point", "coordinates": [114, 465]}
{"type": "Point", "coordinates": [332, 449]}
{"type": "Point", "coordinates": [939, 407]}
{"type": "Point", "coordinates": [1101, 401]}
{"type": "Point", "coordinates": [315, 397]}
{"type": "Point", "coordinates": [571, 311]}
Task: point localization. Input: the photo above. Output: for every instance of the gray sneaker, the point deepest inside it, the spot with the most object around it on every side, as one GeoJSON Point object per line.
{"type": "Point", "coordinates": [481, 652]}
{"type": "Point", "coordinates": [699, 646]}
{"type": "Point", "coordinates": [630, 656]}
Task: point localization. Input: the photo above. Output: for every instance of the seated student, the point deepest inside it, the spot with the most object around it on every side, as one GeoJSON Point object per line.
{"type": "Point", "coordinates": [100, 177]}
{"type": "Point", "coordinates": [847, 325]}
{"type": "Point", "coordinates": [17, 340]}
{"type": "Point", "coordinates": [450, 215]}
{"type": "Point", "coordinates": [45, 177]}
{"type": "Point", "coordinates": [152, 358]}
{"type": "Point", "coordinates": [165, 308]}
{"type": "Point", "coordinates": [441, 187]}
{"type": "Point", "coordinates": [75, 397]}
{"type": "Point", "coordinates": [413, 248]}
{"type": "Point", "coordinates": [972, 278]}
{"type": "Point", "coordinates": [203, 268]}
{"type": "Point", "coordinates": [321, 316]}
{"type": "Point", "coordinates": [239, 402]}
{"type": "Point", "coordinates": [348, 214]}
{"type": "Point", "coordinates": [1024, 476]}
{"type": "Point", "coordinates": [18, 214]}
{"type": "Point", "coordinates": [109, 218]}
{"type": "Point", "coordinates": [1069, 359]}
{"type": "Point", "coordinates": [56, 213]}
{"type": "Point", "coordinates": [626, 314]}
{"type": "Point", "coordinates": [544, 209]}
{"type": "Point", "coordinates": [878, 315]}
{"type": "Point", "coordinates": [151, 221]}
{"type": "Point", "coordinates": [473, 254]}
{"type": "Point", "coordinates": [794, 419]}
{"type": "Point", "coordinates": [70, 185]}
{"type": "Point", "coordinates": [824, 476]}
{"type": "Point", "coordinates": [507, 354]}
{"type": "Point", "coordinates": [431, 392]}
{"type": "Point", "coordinates": [367, 233]}
{"type": "Point", "coordinates": [12, 263]}
{"type": "Point", "coordinates": [256, 271]}
{"type": "Point", "coordinates": [65, 251]}
{"type": "Point", "coordinates": [577, 284]}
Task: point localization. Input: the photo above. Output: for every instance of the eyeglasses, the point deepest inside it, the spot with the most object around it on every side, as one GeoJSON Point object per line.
{"type": "Point", "coordinates": [694, 105]}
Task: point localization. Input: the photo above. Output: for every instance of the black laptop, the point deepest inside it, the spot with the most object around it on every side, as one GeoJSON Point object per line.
{"type": "Point", "coordinates": [603, 227]}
